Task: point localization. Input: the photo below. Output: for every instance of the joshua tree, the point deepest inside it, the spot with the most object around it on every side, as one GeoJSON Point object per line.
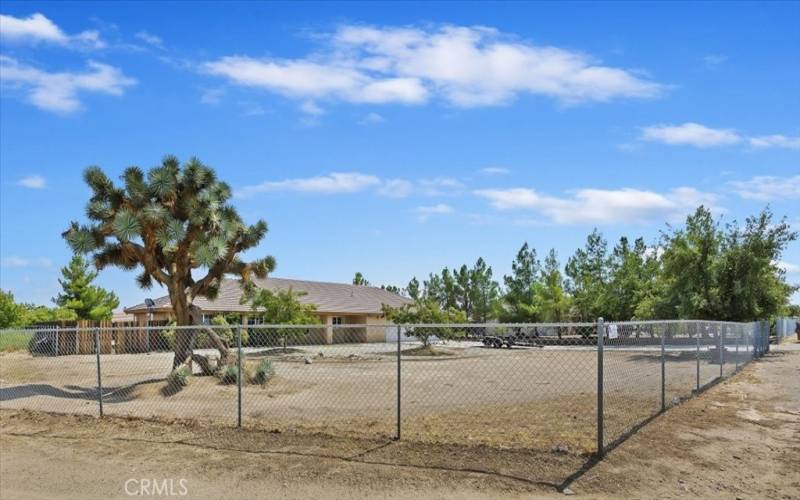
{"type": "Point", "coordinates": [169, 223]}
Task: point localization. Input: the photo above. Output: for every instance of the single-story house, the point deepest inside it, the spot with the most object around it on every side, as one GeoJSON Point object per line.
{"type": "Point", "coordinates": [335, 303]}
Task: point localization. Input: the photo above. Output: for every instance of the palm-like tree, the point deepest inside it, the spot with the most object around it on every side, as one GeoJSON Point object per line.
{"type": "Point", "coordinates": [170, 223]}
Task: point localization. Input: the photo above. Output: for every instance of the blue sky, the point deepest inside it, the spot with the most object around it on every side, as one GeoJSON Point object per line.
{"type": "Point", "coordinates": [395, 139]}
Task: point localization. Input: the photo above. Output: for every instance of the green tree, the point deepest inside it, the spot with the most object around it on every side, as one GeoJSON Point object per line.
{"type": "Point", "coordinates": [484, 292]}
{"type": "Point", "coordinates": [11, 313]}
{"type": "Point", "coordinates": [552, 299]}
{"type": "Point", "coordinates": [426, 311]}
{"type": "Point", "coordinates": [632, 273]}
{"type": "Point", "coordinates": [587, 270]}
{"type": "Point", "coordinates": [413, 289]}
{"type": "Point", "coordinates": [749, 283]}
{"type": "Point", "coordinates": [463, 290]}
{"type": "Point", "coordinates": [449, 292]}
{"type": "Point", "coordinates": [170, 223]}
{"type": "Point", "coordinates": [78, 294]}
{"type": "Point", "coordinates": [392, 288]}
{"type": "Point", "coordinates": [688, 264]}
{"type": "Point", "coordinates": [360, 280]}
{"type": "Point", "coordinates": [282, 307]}
{"type": "Point", "coordinates": [520, 295]}
{"type": "Point", "coordinates": [34, 315]}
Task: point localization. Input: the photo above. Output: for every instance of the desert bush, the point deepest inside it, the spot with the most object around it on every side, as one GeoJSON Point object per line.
{"type": "Point", "coordinates": [229, 375]}
{"type": "Point", "coordinates": [263, 372]}
{"type": "Point", "coordinates": [177, 380]}
{"type": "Point", "coordinates": [222, 328]}
{"type": "Point", "coordinates": [180, 376]}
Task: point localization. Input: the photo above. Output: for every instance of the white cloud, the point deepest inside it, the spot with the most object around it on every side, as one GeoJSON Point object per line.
{"type": "Point", "coordinates": [440, 186]}
{"type": "Point", "coordinates": [701, 136]}
{"type": "Point", "coordinates": [14, 261]}
{"type": "Point", "coordinates": [463, 66]}
{"type": "Point", "coordinates": [775, 141]}
{"type": "Point", "coordinates": [714, 60]}
{"type": "Point", "coordinates": [424, 212]}
{"type": "Point", "coordinates": [585, 206]}
{"type": "Point", "coordinates": [150, 39]}
{"type": "Point", "coordinates": [690, 134]}
{"type": "Point", "coordinates": [372, 118]}
{"type": "Point", "coordinates": [38, 28]}
{"type": "Point", "coordinates": [58, 92]}
{"type": "Point", "coordinates": [32, 182]}
{"type": "Point", "coordinates": [767, 187]}
{"type": "Point", "coordinates": [788, 267]}
{"type": "Point", "coordinates": [334, 183]}
{"type": "Point", "coordinates": [311, 108]}
{"type": "Point", "coordinates": [495, 171]}
{"type": "Point", "coordinates": [211, 96]}
{"type": "Point", "coordinates": [355, 182]}
{"type": "Point", "coordinates": [396, 188]}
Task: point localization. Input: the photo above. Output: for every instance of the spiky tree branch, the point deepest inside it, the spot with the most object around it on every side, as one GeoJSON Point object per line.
{"type": "Point", "coordinates": [168, 223]}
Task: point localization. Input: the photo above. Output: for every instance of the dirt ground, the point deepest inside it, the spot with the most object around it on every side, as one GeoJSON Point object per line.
{"type": "Point", "coordinates": [521, 398]}
{"type": "Point", "coordinates": [738, 439]}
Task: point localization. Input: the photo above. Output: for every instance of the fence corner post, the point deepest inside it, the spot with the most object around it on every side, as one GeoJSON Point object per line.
{"type": "Point", "coordinates": [399, 384]}
{"type": "Point", "coordinates": [600, 409]}
{"type": "Point", "coordinates": [697, 374]}
{"type": "Point", "coordinates": [99, 377]}
{"type": "Point", "coordinates": [239, 376]}
{"type": "Point", "coordinates": [720, 347]}
{"type": "Point", "coordinates": [663, 371]}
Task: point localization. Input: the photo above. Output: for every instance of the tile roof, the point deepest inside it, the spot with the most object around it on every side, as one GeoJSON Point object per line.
{"type": "Point", "coordinates": [327, 297]}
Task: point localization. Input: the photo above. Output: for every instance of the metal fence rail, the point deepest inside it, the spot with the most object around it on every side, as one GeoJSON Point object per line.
{"type": "Point", "coordinates": [574, 387]}
{"type": "Point", "coordinates": [786, 328]}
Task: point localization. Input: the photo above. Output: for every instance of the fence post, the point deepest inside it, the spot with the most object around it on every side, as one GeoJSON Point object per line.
{"type": "Point", "coordinates": [721, 344]}
{"type": "Point", "coordinates": [697, 384]}
{"type": "Point", "coordinates": [600, 409]}
{"type": "Point", "coordinates": [738, 334]}
{"type": "Point", "coordinates": [56, 342]}
{"type": "Point", "coordinates": [239, 376]}
{"type": "Point", "coordinates": [99, 378]}
{"type": "Point", "coordinates": [663, 371]}
{"type": "Point", "coordinates": [766, 335]}
{"type": "Point", "coordinates": [399, 384]}
{"type": "Point", "coordinates": [754, 330]}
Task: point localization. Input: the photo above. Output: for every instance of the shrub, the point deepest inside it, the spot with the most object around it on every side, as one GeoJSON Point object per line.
{"type": "Point", "coordinates": [229, 375]}
{"type": "Point", "coordinates": [177, 380]}
{"type": "Point", "coordinates": [263, 373]}
{"type": "Point", "coordinates": [163, 339]}
{"type": "Point", "coordinates": [179, 377]}
{"type": "Point", "coordinates": [222, 328]}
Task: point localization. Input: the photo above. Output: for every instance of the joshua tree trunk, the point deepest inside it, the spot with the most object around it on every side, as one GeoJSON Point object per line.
{"type": "Point", "coordinates": [189, 315]}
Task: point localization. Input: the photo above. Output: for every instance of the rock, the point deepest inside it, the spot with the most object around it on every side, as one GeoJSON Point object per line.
{"type": "Point", "coordinates": [737, 457]}
{"type": "Point", "coordinates": [308, 360]}
{"type": "Point", "coordinates": [568, 492]}
{"type": "Point", "coordinates": [320, 355]}
{"type": "Point", "coordinates": [560, 449]}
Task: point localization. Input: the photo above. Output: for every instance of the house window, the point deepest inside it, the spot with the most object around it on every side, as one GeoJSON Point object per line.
{"type": "Point", "coordinates": [337, 320]}
{"type": "Point", "coordinates": [257, 320]}
{"type": "Point", "coordinates": [205, 319]}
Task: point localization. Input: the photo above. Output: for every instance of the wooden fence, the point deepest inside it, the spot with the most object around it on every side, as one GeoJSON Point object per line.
{"type": "Point", "coordinates": [115, 338]}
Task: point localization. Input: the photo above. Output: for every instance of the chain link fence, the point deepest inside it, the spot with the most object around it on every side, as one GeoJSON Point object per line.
{"type": "Point", "coordinates": [787, 328]}
{"type": "Point", "coordinates": [564, 387]}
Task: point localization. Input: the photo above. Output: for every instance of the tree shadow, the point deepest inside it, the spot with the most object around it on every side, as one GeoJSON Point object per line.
{"type": "Point", "coordinates": [113, 394]}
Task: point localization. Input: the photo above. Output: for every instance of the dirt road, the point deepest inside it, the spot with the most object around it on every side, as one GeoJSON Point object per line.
{"type": "Point", "coordinates": [740, 439]}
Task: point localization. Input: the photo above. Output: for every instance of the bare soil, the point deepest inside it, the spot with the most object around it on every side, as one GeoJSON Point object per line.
{"type": "Point", "coordinates": [738, 439]}
{"type": "Point", "coordinates": [514, 399]}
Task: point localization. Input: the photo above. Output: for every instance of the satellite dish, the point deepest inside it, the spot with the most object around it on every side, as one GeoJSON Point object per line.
{"type": "Point", "coordinates": [149, 303]}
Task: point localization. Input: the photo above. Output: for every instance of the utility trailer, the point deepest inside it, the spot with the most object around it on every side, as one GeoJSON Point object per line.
{"type": "Point", "coordinates": [523, 337]}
